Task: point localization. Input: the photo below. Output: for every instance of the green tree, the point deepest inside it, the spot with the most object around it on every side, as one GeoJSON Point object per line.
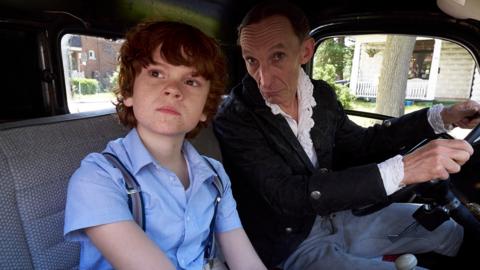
{"type": "Point", "coordinates": [332, 62]}
{"type": "Point", "coordinates": [333, 51]}
{"type": "Point", "coordinates": [392, 83]}
{"type": "Point", "coordinates": [327, 73]}
{"type": "Point", "coordinates": [114, 80]}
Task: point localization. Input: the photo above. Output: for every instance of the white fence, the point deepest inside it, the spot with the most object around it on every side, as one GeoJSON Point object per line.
{"type": "Point", "coordinates": [77, 74]}
{"type": "Point", "coordinates": [416, 89]}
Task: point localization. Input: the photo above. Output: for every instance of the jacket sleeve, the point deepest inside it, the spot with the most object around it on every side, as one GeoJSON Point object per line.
{"type": "Point", "coordinates": [356, 145]}
{"type": "Point", "coordinates": [252, 160]}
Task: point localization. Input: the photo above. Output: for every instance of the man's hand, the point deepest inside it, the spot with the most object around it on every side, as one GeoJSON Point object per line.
{"type": "Point", "coordinates": [435, 160]}
{"type": "Point", "coordinates": [464, 115]}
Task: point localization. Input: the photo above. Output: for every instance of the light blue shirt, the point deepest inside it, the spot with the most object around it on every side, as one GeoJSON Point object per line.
{"type": "Point", "coordinates": [177, 223]}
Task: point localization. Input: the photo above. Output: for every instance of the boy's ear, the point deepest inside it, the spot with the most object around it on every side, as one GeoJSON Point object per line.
{"type": "Point", "coordinates": [203, 117]}
{"type": "Point", "coordinates": [128, 102]}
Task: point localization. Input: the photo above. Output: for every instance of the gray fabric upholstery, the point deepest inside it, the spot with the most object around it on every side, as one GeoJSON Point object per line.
{"type": "Point", "coordinates": [36, 161]}
{"type": "Point", "coordinates": [206, 143]}
{"type": "Point", "coordinates": [37, 157]}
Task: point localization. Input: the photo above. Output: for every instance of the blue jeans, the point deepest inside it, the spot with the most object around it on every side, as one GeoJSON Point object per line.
{"type": "Point", "coordinates": [344, 241]}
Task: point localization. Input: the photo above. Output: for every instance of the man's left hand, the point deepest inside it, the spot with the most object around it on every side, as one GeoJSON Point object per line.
{"type": "Point", "coordinates": [464, 115]}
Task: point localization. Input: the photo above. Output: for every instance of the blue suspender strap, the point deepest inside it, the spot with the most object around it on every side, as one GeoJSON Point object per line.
{"type": "Point", "coordinates": [210, 247]}
{"type": "Point", "coordinates": [135, 199]}
{"type": "Point", "coordinates": [135, 202]}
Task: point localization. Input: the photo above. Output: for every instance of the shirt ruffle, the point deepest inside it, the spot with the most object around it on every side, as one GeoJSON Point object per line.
{"type": "Point", "coordinates": [306, 102]}
{"type": "Point", "coordinates": [305, 107]}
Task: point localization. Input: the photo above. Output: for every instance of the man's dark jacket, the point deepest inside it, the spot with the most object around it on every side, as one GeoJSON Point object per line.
{"type": "Point", "coordinates": [278, 190]}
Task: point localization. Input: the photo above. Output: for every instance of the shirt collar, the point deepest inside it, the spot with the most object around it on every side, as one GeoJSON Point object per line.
{"type": "Point", "coordinates": [136, 151]}
{"type": "Point", "coordinates": [140, 157]}
{"type": "Point", "coordinates": [305, 92]}
{"type": "Point", "coordinates": [198, 164]}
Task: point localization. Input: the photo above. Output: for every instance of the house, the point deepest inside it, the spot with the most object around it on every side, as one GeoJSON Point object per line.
{"type": "Point", "coordinates": [439, 69]}
{"type": "Point", "coordinates": [90, 57]}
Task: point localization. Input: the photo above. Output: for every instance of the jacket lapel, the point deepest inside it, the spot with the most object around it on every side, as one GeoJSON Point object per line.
{"type": "Point", "coordinates": [323, 132]}
{"type": "Point", "coordinates": [279, 126]}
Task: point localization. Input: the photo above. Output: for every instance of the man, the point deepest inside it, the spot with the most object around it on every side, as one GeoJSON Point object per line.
{"type": "Point", "coordinates": [298, 164]}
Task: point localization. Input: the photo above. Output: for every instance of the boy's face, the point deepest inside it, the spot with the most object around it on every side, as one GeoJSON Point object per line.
{"type": "Point", "coordinates": [167, 99]}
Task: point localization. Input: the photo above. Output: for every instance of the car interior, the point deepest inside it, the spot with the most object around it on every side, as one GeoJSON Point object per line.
{"type": "Point", "coordinates": [59, 70]}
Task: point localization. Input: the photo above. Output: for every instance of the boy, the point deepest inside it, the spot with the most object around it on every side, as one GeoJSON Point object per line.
{"type": "Point", "coordinates": [170, 82]}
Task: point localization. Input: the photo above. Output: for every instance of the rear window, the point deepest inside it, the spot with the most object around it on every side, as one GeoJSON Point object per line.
{"type": "Point", "coordinates": [91, 71]}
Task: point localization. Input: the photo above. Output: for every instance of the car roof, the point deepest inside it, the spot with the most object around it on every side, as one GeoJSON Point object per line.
{"type": "Point", "coordinates": [219, 18]}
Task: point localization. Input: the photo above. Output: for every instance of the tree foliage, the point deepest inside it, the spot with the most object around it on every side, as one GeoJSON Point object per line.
{"type": "Point", "coordinates": [334, 52]}
{"type": "Point", "coordinates": [333, 61]}
{"type": "Point", "coordinates": [327, 73]}
{"type": "Point", "coordinates": [114, 79]}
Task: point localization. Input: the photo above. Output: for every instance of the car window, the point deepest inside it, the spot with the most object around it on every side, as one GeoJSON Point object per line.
{"type": "Point", "coordinates": [395, 74]}
{"type": "Point", "coordinates": [91, 71]}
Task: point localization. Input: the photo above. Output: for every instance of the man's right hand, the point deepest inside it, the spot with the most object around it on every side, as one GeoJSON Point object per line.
{"type": "Point", "coordinates": [435, 160]}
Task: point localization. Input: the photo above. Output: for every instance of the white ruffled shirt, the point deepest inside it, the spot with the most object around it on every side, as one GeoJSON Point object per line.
{"type": "Point", "coordinates": [306, 102]}
{"type": "Point", "coordinates": [391, 170]}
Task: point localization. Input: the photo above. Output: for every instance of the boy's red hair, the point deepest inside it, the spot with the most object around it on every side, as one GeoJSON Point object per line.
{"type": "Point", "coordinates": [181, 44]}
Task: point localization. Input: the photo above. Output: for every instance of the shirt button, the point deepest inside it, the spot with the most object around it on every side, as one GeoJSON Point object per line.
{"type": "Point", "coordinates": [323, 170]}
{"type": "Point", "coordinates": [288, 229]}
{"type": "Point", "coordinates": [188, 218]}
{"type": "Point", "coordinates": [315, 194]}
{"type": "Point", "coordinates": [387, 123]}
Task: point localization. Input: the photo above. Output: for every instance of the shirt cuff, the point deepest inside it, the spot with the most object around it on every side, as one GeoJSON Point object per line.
{"type": "Point", "coordinates": [391, 171]}
{"type": "Point", "coordinates": [225, 224]}
{"type": "Point", "coordinates": [435, 119]}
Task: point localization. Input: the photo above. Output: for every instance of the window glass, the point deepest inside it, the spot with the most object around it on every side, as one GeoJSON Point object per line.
{"type": "Point", "coordinates": [90, 67]}
{"type": "Point", "coordinates": [396, 74]}
{"type": "Point", "coordinates": [91, 55]}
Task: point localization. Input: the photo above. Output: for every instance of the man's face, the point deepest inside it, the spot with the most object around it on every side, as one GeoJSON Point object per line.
{"type": "Point", "coordinates": [273, 55]}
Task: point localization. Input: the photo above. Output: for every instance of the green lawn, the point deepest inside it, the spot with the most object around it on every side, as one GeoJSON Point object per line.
{"type": "Point", "coordinates": [369, 106]}
{"type": "Point", "coordinates": [94, 97]}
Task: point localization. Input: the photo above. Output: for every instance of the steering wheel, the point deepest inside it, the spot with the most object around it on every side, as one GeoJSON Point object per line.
{"type": "Point", "coordinates": [441, 193]}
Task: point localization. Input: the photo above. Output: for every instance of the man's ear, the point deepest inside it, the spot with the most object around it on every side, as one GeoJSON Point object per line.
{"type": "Point", "coordinates": [308, 46]}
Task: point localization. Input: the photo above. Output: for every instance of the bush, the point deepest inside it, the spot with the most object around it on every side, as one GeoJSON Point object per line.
{"type": "Point", "coordinates": [327, 73]}
{"type": "Point", "coordinates": [84, 86]}
{"type": "Point", "coordinates": [344, 95]}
